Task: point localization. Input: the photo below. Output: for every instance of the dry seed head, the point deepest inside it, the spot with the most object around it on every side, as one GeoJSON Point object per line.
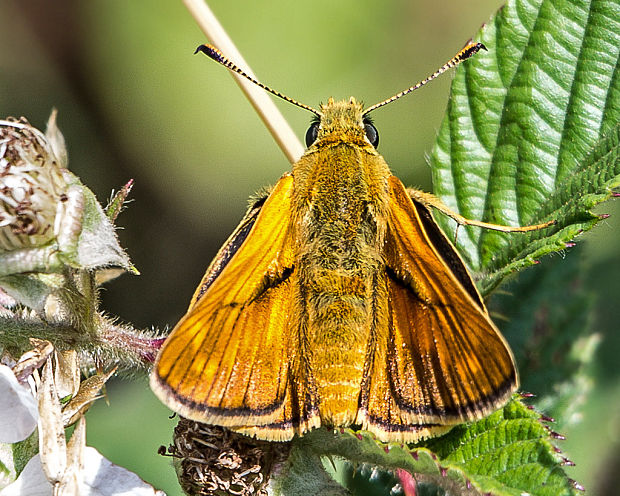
{"type": "Point", "coordinates": [213, 460]}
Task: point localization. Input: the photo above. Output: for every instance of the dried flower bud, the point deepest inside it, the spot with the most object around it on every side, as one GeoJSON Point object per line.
{"type": "Point", "coordinates": [32, 186]}
{"type": "Point", "coordinates": [48, 218]}
{"type": "Point", "coordinates": [213, 460]}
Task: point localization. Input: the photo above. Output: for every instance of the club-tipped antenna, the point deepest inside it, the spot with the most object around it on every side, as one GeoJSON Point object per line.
{"type": "Point", "coordinates": [469, 50]}
{"type": "Point", "coordinates": [213, 53]}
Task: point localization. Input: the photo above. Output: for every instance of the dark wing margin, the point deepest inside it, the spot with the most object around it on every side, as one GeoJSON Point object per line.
{"type": "Point", "coordinates": [438, 360]}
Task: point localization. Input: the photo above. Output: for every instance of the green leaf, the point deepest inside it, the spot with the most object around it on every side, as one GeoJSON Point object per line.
{"type": "Point", "coordinates": [550, 332]}
{"type": "Point", "coordinates": [507, 453]}
{"type": "Point", "coordinates": [531, 131]}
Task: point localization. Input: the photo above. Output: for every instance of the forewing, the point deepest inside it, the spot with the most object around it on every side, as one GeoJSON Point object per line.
{"type": "Point", "coordinates": [439, 359]}
{"type": "Point", "coordinates": [228, 361]}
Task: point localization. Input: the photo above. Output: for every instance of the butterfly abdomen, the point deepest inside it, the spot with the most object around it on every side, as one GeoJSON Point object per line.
{"type": "Point", "coordinates": [337, 332]}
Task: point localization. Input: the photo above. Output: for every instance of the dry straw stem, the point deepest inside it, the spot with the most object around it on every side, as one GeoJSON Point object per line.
{"type": "Point", "coordinates": [262, 103]}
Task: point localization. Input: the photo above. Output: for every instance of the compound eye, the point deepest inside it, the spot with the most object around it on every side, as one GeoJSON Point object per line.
{"type": "Point", "coordinates": [312, 133]}
{"type": "Point", "coordinates": [371, 134]}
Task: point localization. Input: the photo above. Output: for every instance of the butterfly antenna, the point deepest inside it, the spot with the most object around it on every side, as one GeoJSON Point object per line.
{"type": "Point", "coordinates": [469, 50]}
{"type": "Point", "coordinates": [213, 53]}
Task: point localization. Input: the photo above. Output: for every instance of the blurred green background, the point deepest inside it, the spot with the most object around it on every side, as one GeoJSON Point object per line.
{"type": "Point", "coordinates": [135, 103]}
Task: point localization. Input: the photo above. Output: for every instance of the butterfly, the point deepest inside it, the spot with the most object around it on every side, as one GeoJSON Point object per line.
{"type": "Point", "coordinates": [337, 301]}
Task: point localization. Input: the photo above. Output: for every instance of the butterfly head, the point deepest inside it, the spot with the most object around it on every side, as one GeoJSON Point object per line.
{"type": "Point", "coordinates": [341, 121]}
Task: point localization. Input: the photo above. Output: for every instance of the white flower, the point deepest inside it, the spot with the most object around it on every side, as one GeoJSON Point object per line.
{"type": "Point", "coordinates": [100, 477]}
{"type": "Point", "coordinates": [18, 408]}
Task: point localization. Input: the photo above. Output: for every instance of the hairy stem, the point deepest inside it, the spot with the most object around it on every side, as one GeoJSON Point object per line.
{"type": "Point", "coordinates": [113, 344]}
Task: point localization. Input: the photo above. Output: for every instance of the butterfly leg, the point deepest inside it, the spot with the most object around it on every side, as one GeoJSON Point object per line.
{"type": "Point", "coordinates": [431, 201]}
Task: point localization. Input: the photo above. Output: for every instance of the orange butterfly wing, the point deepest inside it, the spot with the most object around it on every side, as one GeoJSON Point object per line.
{"type": "Point", "coordinates": [231, 360]}
{"type": "Point", "coordinates": [438, 360]}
